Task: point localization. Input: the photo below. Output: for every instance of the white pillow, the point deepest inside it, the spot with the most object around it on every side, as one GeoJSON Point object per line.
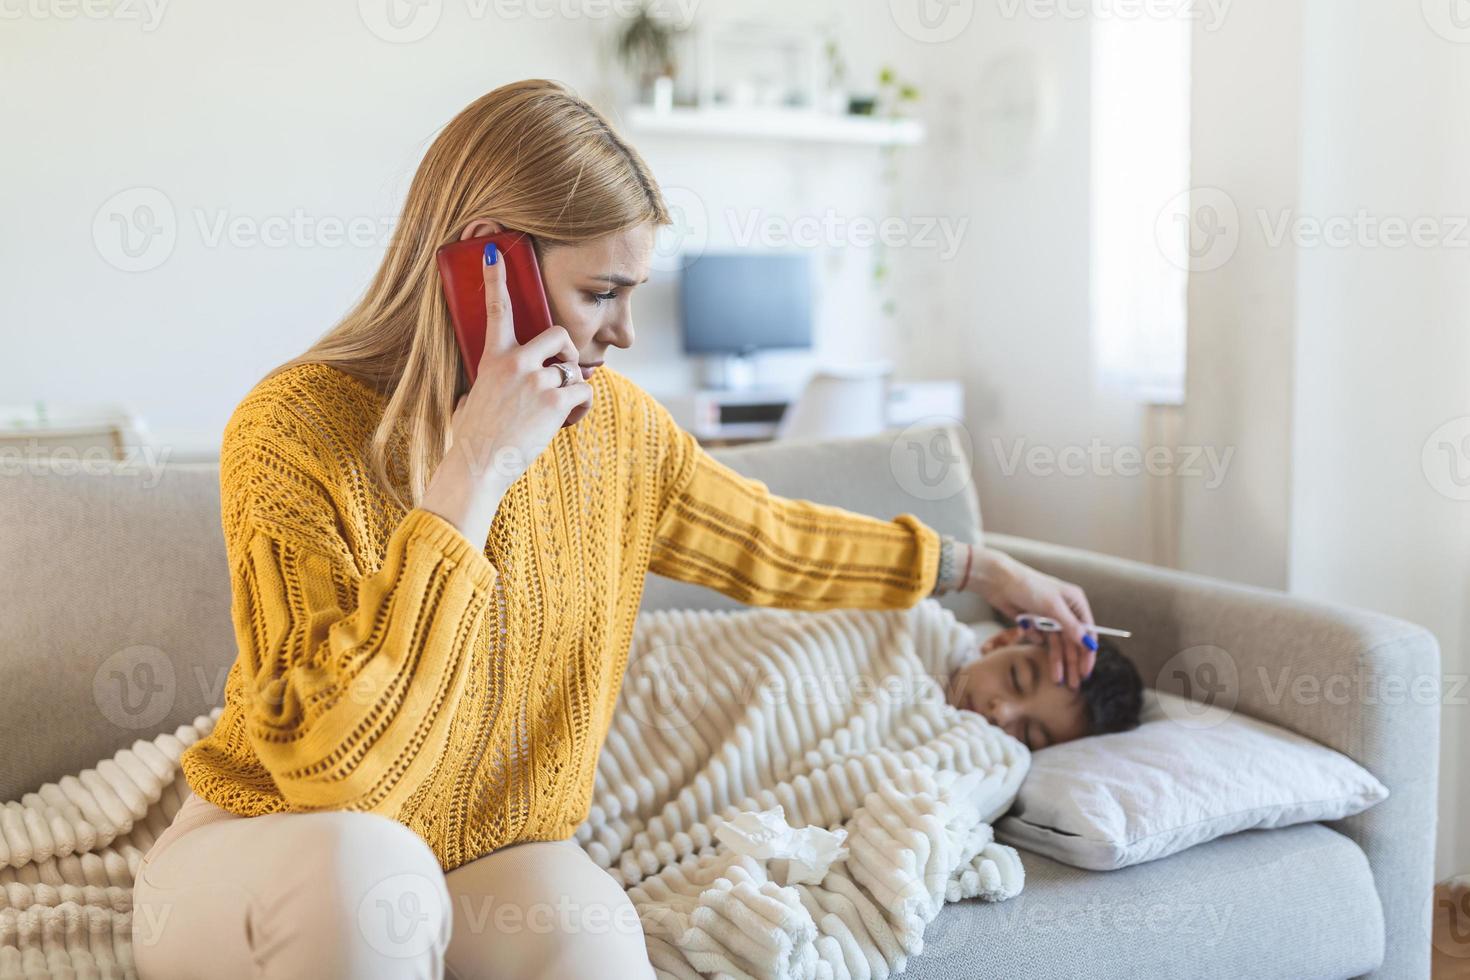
{"type": "Point", "coordinates": [1187, 774]}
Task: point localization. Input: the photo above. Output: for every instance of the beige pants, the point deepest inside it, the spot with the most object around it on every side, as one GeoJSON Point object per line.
{"type": "Point", "coordinates": [358, 895]}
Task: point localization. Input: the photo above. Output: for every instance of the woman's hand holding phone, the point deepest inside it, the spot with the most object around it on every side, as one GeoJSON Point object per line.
{"type": "Point", "coordinates": [508, 417]}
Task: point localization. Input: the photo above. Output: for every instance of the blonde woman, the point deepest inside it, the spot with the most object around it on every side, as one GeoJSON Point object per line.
{"type": "Point", "coordinates": [435, 586]}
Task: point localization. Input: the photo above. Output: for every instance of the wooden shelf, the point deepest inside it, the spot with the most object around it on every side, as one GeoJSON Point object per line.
{"type": "Point", "coordinates": [780, 124]}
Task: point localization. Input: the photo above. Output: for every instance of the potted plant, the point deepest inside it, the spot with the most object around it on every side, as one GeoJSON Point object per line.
{"type": "Point", "coordinates": [836, 95]}
{"type": "Point", "coordinates": [645, 47]}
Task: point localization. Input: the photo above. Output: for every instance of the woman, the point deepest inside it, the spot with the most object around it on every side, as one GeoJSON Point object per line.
{"type": "Point", "coordinates": [435, 588]}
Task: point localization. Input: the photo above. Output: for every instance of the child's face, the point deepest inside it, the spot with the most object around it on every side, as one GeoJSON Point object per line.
{"type": "Point", "coordinates": [1010, 685]}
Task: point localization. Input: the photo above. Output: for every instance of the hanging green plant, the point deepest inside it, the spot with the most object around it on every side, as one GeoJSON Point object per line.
{"type": "Point", "coordinates": [893, 95]}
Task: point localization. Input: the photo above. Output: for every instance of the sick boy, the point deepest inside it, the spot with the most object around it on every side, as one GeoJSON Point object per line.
{"type": "Point", "coordinates": [1010, 684]}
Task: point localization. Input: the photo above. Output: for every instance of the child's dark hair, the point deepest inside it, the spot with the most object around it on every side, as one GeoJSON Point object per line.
{"type": "Point", "coordinates": [1113, 692]}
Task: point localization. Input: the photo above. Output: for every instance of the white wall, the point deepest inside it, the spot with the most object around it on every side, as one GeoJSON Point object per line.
{"type": "Point", "coordinates": [279, 112]}
{"type": "Point", "coordinates": [1011, 312]}
{"type": "Point", "coordinates": [1242, 292]}
{"type": "Point", "coordinates": [1382, 347]}
{"type": "Point", "coordinates": [1330, 364]}
{"type": "Point", "coordinates": [272, 113]}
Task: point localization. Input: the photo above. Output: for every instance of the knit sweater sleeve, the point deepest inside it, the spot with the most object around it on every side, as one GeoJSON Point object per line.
{"type": "Point", "coordinates": [351, 673]}
{"type": "Point", "coordinates": [729, 532]}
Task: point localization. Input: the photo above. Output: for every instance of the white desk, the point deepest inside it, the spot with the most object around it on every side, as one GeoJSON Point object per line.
{"type": "Point", "coordinates": [753, 414]}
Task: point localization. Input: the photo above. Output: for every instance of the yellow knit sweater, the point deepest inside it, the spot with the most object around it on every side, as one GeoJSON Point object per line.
{"type": "Point", "coordinates": [388, 664]}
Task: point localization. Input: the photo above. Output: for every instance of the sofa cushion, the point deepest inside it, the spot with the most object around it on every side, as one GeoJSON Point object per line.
{"type": "Point", "coordinates": [1295, 903]}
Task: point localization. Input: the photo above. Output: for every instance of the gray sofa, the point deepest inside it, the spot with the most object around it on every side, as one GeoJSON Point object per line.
{"type": "Point", "coordinates": [115, 566]}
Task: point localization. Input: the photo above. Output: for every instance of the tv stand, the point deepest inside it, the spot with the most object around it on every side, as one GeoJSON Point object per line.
{"type": "Point", "coordinates": [728, 372]}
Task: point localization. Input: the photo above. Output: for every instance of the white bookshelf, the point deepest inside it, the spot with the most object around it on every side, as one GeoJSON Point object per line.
{"type": "Point", "coordinates": [780, 124]}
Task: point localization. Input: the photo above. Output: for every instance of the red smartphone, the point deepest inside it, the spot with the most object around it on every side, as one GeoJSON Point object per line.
{"type": "Point", "coordinates": [461, 273]}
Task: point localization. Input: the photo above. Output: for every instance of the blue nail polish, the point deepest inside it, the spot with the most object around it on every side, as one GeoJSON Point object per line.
{"type": "Point", "coordinates": [490, 253]}
{"type": "Point", "coordinates": [1090, 643]}
{"type": "Point", "coordinates": [1023, 621]}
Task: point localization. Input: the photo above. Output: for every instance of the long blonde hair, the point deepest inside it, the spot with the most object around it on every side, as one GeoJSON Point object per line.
{"type": "Point", "coordinates": [531, 155]}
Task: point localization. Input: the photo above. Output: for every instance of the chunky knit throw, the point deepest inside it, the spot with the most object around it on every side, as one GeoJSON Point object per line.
{"type": "Point", "coordinates": [835, 720]}
{"type": "Point", "coordinates": [69, 853]}
{"type": "Point", "coordinates": [387, 664]}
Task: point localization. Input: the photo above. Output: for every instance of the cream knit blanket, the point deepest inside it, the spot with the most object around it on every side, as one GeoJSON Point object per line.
{"type": "Point", "coordinates": [69, 853]}
{"type": "Point", "coordinates": [836, 718]}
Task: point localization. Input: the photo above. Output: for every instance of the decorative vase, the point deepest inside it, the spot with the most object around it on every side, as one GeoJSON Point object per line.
{"type": "Point", "coordinates": [663, 94]}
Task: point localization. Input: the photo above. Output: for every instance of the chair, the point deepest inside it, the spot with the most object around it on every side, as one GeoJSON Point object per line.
{"type": "Point", "coordinates": [842, 402]}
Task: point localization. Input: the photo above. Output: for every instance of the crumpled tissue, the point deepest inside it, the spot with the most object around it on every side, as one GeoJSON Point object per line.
{"type": "Point", "coordinates": [793, 855]}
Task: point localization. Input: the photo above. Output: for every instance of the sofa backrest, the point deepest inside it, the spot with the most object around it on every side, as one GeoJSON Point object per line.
{"type": "Point", "coordinates": [115, 595]}
{"type": "Point", "coordinates": [114, 610]}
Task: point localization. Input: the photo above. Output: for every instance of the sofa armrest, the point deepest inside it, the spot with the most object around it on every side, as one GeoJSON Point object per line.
{"type": "Point", "coordinates": [1362, 683]}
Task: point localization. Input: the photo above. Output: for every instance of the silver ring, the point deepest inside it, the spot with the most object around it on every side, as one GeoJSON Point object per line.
{"type": "Point", "coordinates": [567, 374]}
